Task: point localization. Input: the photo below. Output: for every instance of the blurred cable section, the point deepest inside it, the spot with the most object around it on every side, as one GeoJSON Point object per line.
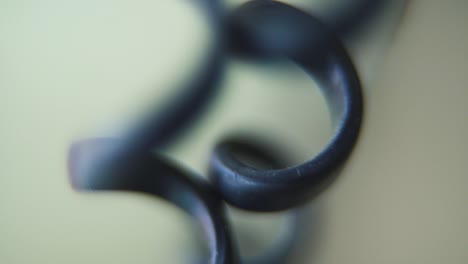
{"type": "Point", "coordinates": [249, 173]}
{"type": "Point", "coordinates": [258, 28]}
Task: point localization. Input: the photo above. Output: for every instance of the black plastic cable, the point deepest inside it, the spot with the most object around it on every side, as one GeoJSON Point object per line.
{"type": "Point", "coordinates": [160, 177]}
{"type": "Point", "coordinates": [157, 176]}
{"type": "Point", "coordinates": [258, 29]}
{"type": "Point", "coordinates": [279, 30]}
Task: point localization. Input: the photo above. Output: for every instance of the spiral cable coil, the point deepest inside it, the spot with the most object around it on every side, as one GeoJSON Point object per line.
{"type": "Point", "coordinates": [257, 30]}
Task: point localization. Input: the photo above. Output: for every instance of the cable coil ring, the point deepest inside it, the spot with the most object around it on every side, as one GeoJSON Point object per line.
{"type": "Point", "coordinates": [309, 44]}
{"type": "Point", "coordinates": [258, 29]}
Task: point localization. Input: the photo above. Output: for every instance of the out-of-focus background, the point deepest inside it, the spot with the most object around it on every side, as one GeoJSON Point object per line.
{"type": "Point", "coordinates": [74, 69]}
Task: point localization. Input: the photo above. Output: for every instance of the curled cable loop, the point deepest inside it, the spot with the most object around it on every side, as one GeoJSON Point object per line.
{"type": "Point", "coordinates": [280, 30]}
{"type": "Point", "coordinates": [260, 28]}
{"type": "Point", "coordinates": [162, 126]}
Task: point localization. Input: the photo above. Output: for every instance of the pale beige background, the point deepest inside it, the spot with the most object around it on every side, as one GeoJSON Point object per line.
{"type": "Point", "coordinates": [70, 69]}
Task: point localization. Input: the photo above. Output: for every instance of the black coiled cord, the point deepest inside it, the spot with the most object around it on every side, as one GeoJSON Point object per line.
{"type": "Point", "coordinates": [259, 29]}
{"type": "Point", "coordinates": [279, 30]}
